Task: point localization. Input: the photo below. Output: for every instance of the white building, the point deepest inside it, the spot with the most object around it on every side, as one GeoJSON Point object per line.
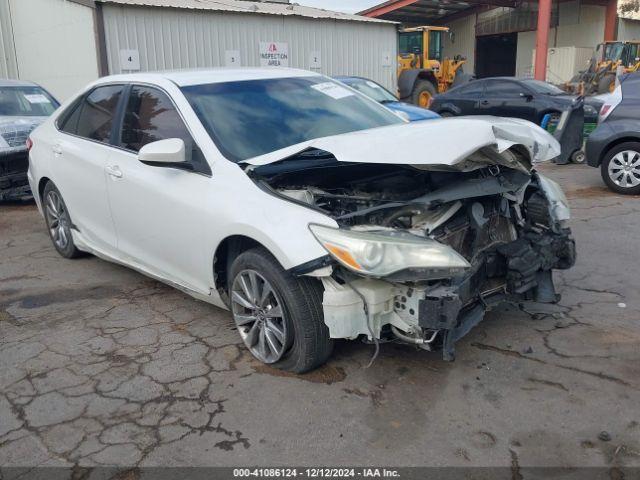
{"type": "Point", "coordinates": [64, 44]}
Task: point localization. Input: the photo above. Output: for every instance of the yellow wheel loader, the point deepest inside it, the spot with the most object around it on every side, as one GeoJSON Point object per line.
{"type": "Point", "coordinates": [422, 70]}
{"type": "Point", "coordinates": [600, 76]}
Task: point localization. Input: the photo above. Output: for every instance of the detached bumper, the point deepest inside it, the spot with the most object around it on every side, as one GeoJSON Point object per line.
{"type": "Point", "coordinates": [520, 270]}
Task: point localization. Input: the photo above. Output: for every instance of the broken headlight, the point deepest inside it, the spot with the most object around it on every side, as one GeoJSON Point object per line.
{"type": "Point", "coordinates": [380, 254]}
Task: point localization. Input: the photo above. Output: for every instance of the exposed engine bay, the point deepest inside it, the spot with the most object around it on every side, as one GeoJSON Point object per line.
{"type": "Point", "coordinates": [509, 225]}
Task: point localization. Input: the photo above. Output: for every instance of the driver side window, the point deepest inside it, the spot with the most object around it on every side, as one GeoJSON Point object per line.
{"type": "Point", "coordinates": [151, 116]}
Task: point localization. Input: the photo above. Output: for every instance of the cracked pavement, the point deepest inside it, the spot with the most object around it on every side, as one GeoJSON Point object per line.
{"type": "Point", "coordinates": [100, 365]}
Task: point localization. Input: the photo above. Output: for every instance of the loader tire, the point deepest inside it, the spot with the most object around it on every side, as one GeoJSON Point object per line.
{"type": "Point", "coordinates": [423, 92]}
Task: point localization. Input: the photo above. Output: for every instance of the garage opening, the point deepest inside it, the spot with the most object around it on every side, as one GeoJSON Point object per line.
{"type": "Point", "coordinates": [496, 55]}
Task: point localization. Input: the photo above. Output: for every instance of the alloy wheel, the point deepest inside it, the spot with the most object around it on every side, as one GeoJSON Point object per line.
{"type": "Point", "coordinates": [624, 169]}
{"type": "Point", "coordinates": [57, 220]}
{"type": "Point", "coordinates": [258, 312]}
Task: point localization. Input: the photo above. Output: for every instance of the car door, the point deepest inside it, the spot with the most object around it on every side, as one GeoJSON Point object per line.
{"type": "Point", "coordinates": [506, 98]}
{"type": "Point", "coordinates": [158, 210]}
{"type": "Point", "coordinates": [468, 98]}
{"type": "Point", "coordinates": [80, 153]}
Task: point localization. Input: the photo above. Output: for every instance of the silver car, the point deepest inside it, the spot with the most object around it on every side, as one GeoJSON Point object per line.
{"type": "Point", "coordinates": [23, 106]}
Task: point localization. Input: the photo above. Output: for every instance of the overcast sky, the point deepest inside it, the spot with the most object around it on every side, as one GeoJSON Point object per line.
{"type": "Point", "coordinates": [349, 6]}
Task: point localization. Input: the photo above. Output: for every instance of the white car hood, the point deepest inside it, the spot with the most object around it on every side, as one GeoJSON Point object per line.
{"type": "Point", "coordinates": [447, 144]}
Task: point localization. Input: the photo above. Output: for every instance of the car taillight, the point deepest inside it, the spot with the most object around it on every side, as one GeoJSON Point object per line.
{"type": "Point", "coordinates": [29, 144]}
{"type": "Point", "coordinates": [611, 103]}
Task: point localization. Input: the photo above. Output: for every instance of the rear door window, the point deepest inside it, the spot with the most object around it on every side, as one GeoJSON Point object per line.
{"type": "Point", "coordinates": [503, 89]}
{"type": "Point", "coordinates": [93, 117]}
{"type": "Point", "coordinates": [473, 89]}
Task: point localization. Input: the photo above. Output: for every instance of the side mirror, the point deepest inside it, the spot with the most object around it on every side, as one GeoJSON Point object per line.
{"type": "Point", "coordinates": [528, 96]}
{"type": "Point", "coordinates": [169, 151]}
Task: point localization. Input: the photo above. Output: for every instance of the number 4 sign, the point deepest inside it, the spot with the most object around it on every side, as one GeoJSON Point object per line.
{"type": "Point", "coordinates": [129, 60]}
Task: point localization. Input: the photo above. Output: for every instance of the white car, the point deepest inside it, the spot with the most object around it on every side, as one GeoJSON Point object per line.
{"type": "Point", "coordinates": [307, 209]}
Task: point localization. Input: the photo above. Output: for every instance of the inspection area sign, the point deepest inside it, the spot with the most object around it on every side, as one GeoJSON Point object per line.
{"type": "Point", "coordinates": [274, 54]}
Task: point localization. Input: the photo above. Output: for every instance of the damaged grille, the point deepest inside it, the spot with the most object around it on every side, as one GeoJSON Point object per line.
{"type": "Point", "coordinates": [469, 241]}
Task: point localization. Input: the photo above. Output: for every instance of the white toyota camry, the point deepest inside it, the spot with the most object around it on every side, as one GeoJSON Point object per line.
{"type": "Point", "coordinates": [307, 209]}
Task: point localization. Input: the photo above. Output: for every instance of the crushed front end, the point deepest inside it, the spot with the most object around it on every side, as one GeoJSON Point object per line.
{"type": "Point", "coordinates": [14, 159]}
{"type": "Point", "coordinates": [421, 253]}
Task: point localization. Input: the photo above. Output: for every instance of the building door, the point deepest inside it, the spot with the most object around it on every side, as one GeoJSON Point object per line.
{"type": "Point", "coordinates": [496, 55]}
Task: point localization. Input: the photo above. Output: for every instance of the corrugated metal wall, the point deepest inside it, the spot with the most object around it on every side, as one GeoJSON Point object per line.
{"type": "Point", "coordinates": [171, 38]}
{"type": "Point", "coordinates": [629, 29]}
{"type": "Point", "coordinates": [580, 26]}
{"type": "Point", "coordinates": [464, 41]}
{"type": "Point", "coordinates": [54, 44]}
{"type": "Point", "coordinates": [8, 64]}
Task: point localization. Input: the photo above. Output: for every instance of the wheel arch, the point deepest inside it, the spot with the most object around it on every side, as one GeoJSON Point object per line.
{"type": "Point", "coordinates": [227, 250]}
{"type": "Point", "coordinates": [614, 143]}
{"type": "Point", "coordinates": [408, 78]}
{"type": "Point", "coordinates": [41, 184]}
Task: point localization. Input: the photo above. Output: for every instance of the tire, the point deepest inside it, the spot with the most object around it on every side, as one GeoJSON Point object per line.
{"type": "Point", "coordinates": [612, 169]}
{"type": "Point", "coordinates": [422, 91]}
{"type": "Point", "coordinates": [285, 330]}
{"type": "Point", "coordinates": [578, 157]}
{"type": "Point", "coordinates": [605, 84]}
{"type": "Point", "coordinates": [58, 222]}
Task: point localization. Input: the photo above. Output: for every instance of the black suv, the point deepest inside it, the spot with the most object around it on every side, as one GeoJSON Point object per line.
{"type": "Point", "coordinates": [615, 145]}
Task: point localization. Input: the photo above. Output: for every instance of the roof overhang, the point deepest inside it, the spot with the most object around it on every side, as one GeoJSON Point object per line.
{"type": "Point", "coordinates": [425, 12]}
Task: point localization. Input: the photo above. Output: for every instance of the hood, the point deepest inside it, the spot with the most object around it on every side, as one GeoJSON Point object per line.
{"type": "Point", "coordinates": [462, 144]}
{"type": "Point", "coordinates": [414, 112]}
{"type": "Point", "coordinates": [14, 130]}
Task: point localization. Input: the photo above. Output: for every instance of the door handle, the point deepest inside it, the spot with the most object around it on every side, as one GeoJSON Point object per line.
{"type": "Point", "coordinates": [57, 150]}
{"type": "Point", "coordinates": [484, 102]}
{"type": "Point", "coordinates": [114, 171]}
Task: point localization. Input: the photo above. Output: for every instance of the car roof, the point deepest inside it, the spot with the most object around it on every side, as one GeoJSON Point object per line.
{"type": "Point", "coordinates": [185, 78]}
{"type": "Point", "coordinates": [5, 82]}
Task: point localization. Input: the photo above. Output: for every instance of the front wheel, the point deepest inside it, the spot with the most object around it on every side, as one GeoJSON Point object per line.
{"type": "Point", "coordinates": [279, 316]}
{"type": "Point", "coordinates": [423, 93]}
{"type": "Point", "coordinates": [621, 168]}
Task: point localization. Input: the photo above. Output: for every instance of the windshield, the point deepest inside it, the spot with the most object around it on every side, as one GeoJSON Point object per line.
{"type": "Point", "coordinates": [26, 102]}
{"type": "Point", "coordinates": [613, 51]}
{"type": "Point", "coordinates": [370, 89]}
{"type": "Point", "coordinates": [250, 118]}
{"type": "Point", "coordinates": [539, 86]}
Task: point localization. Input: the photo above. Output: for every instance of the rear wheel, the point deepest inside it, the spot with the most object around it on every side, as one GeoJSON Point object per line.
{"type": "Point", "coordinates": [58, 221]}
{"type": "Point", "coordinates": [621, 168]}
{"type": "Point", "coordinates": [279, 316]}
{"type": "Point", "coordinates": [423, 93]}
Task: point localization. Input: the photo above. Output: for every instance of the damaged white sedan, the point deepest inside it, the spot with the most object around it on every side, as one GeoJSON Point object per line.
{"type": "Point", "coordinates": [308, 210]}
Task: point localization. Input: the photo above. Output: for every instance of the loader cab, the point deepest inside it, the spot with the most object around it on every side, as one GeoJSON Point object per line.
{"type": "Point", "coordinates": [425, 43]}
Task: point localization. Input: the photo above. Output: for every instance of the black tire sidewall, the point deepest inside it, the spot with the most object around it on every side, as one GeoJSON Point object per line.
{"type": "Point", "coordinates": [421, 86]}
{"type": "Point", "coordinates": [70, 251]}
{"type": "Point", "coordinates": [287, 287]}
{"type": "Point", "coordinates": [604, 168]}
